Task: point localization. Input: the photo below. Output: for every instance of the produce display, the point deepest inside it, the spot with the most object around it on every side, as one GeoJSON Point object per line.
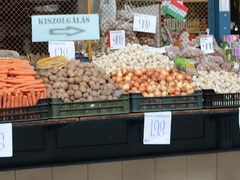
{"type": "Point", "coordinates": [221, 81]}
{"type": "Point", "coordinates": [155, 82]}
{"type": "Point", "coordinates": [18, 86]}
{"type": "Point", "coordinates": [80, 82]}
{"type": "Point", "coordinates": [133, 56]}
{"type": "Point", "coordinates": [203, 62]}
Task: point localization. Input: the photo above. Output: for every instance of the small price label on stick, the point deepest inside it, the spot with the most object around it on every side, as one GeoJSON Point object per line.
{"type": "Point", "coordinates": [207, 45]}
{"type": "Point", "coordinates": [62, 48]}
{"type": "Point", "coordinates": [157, 128]}
{"type": "Point", "coordinates": [144, 23]}
{"type": "Point", "coordinates": [6, 149]}
{"type": "Point", "coordinates": [116, 39]}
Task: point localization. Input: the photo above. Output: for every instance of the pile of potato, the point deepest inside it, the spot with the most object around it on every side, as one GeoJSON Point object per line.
{"type": "Point", "coordinates": [80, 82]}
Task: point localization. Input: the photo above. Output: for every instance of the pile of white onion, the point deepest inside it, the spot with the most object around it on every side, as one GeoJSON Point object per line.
{"type": "Point", "coordinates": [221, 81]}
{"type": "Point", "coordinates": [133, 56]}
{"type": "Point", "coordinates": [155, 82]}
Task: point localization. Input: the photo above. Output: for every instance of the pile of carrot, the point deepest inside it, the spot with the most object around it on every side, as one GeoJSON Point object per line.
{"type": "Point", "coordinates": [18, 85]}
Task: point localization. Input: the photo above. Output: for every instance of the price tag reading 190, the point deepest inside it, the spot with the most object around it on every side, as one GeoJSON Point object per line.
{"type": "Point", "coordinates": [144, 23]}
{"type": "Point", "coordinates": [62, 48]}
{"type": "Point", "coordinates": [117, 39]}
{"type": "Point", "coordinates": [157, 128]}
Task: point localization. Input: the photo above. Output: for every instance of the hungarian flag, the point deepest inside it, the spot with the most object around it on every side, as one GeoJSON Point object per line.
{"type": "Point", "coordinates": [166, 4]}
{"type": "Point", "coordinates": [177, 10]}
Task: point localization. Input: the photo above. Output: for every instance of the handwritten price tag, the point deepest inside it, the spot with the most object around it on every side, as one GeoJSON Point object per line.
{"type": "Point", "coordinates": [157, 128]}
{"type": "Point", "coordinates": [207, 45]}
{"type": "Point", "coordinates": [62, 48]}
{"type": "Point", "coordinates": [6, 149]}
{"type": "Point", "coordinates": [117, 39]}
{"type": "Point", "coordinates": [144, 23]}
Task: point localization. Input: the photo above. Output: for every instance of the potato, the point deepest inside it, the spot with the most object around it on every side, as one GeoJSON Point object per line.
{"type": "Point", "coordinates": [70, 73]}
{"type": "Point", "coordinates": [102, 97]}
{"type": "Point", "coordinates": [94, 93]}
{"type": "Point", "coordinates": [102, 81]}
{"type": "Point", "coordinates": [90, 98]}
{"type": "Point", "coordinates": [85, 95]}
{"type": "Point", "coordinates": [64, 85]}
{"type": "Point", "coordinates": [70, 92]}
{"type": "Point", "coordinates": [72, 98]}
{"type": "Point", "coordinates": [75, 87]}
{"type": "Point", "coordinates": [78, 95]}
{"type": "Point", "coordinates": [83, 89]}
{"type": "Point", "coordinates": [61, 91]}
{"type": "Point", "coordinates": [67, 100]}
{"type": "Point", "coordinates": [46, 80]}
{"type": "Point", "coordinates": [91, 83]}
{"type": "Point", "coordinates": [93, 78]}
{"type": "Point", "coordinates": [77, 80]}
{"type": "Point", "coordinates": [56, 85]}
{"type": "Point", "coordinates": [71, 80]}
{"type": "Point", "coordinates": [85, 78]}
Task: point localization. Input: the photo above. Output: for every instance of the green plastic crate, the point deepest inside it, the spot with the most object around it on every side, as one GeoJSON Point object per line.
{"type": "Point", "coordinates": [59, 109]}
{"type": "Point", "coordinates": [169, 103]}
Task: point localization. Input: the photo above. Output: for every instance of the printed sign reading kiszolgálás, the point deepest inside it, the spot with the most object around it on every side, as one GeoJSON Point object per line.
{"type": "Point", "coordinates": [65, 27]}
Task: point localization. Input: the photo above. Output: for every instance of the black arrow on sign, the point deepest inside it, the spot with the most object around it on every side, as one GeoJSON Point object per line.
{"type": "Point", "coordinates": [69, 31]}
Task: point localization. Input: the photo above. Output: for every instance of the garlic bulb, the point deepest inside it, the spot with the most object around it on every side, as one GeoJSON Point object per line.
{"type": "Point", "coordinates": [133, 56]}
{"type": "Point", "coordinates": [221, 81]}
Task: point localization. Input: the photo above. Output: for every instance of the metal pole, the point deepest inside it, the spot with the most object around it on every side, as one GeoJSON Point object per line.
{"type": "Point", "coordinates": [89, 42]}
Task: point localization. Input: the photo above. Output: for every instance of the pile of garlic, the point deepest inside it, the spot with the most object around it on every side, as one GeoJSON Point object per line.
{"type": "Point", "coordinates": [133, 56]}
{"type": "Point", "coordinates": [221, 81]}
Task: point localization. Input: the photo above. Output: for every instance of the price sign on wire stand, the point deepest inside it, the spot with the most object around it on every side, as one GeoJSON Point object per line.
{"type": "Point", "coordinates": [144, 23]}
{"type": "Point", "coordinates": [62, 48]}
{"type": "Point", "coordinates": [207, 45]}
{"type": "Point", "coordinates": [157, 128]}
{"type": "Point", "coordinates": [6, 149]}
{"type": "Point", "coordinates": [116, 39]}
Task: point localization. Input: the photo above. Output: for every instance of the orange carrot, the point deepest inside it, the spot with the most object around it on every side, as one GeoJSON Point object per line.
{"type": "Point", "coordinates": [30, 101]}
{"type": "Point", "coordinates": [25, 77]}
{"type": "Point", "coordinates": [25, 101]}
{"type": "Point", "coordinates": [27, 90]}
{"type": "Point", "coordinates": [20, 103]}
{"type": "Point", "coordinates": [22, 73]}
{"type": "Point", "coordinates": [34, 100]}
{"type": "Point", "coordinates": [35, 86]}
{"type": "Point", "coordinates": [38, 96]}
{"type": "Point", "coordinates": [16, 101]}
{"type": "Point", "coordinates": [9, 100]}
{"type": "Point", "coordinates": [12, 101]}
{"type": "Point", "coordinates": [1, 100]}
{"type": "Point", "coordinates": [29, 83]}
{"type": "Point", "coordinates": [42, 96]}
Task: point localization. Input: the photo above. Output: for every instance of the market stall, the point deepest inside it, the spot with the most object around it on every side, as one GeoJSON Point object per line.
{"type": "Point", "coordinates": [151, 82]}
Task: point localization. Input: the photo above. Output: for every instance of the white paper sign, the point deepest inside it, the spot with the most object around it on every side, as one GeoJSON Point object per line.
{"type": "Point", "coordinates": [145, 23]}
{"type": "Point", "coordinates": [207, 45]}
{"type": "Point", "coordinates": [224, 5]}
{"type": "Point", "coordinates": [117, 39]}
{"type": "Point", "coordinates": [236, 66]}
{"type": "Point", "coordinates": [158, 50]}
{"type": "Point", "coordinates": [62, 48]}
{"type": "Point", "coordinates": [157, 128]}
{"type": "Point", "coordinates": [6, 149]}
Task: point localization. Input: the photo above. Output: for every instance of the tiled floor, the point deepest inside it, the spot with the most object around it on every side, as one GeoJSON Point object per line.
{"type": "Point", "coordinates": [222, 166]}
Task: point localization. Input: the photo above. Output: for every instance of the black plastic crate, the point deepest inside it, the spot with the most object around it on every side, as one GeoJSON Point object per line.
{"type": "Point", "coordinates": [29, 113]}
{"type": "Point", "coordinates": [169, 103]}
{"type": "Point", "coordinates": [214, 100]}
{"type": "Point", "coordinates": [59, 109]}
